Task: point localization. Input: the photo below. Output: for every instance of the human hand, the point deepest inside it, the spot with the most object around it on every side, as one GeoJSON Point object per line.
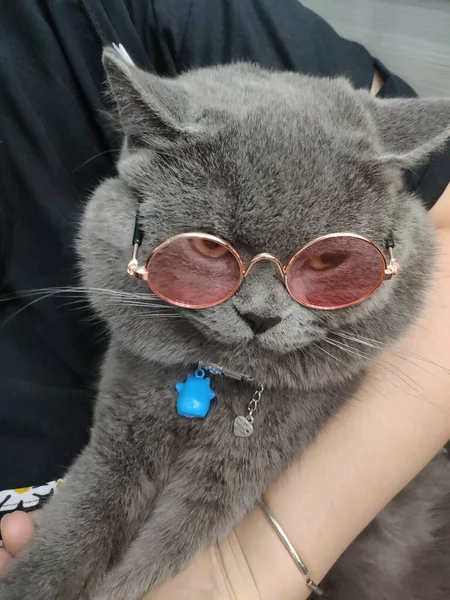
{"type": "Point", "coordinates": [218, 573]}
{"type": "Point", "coordinates": [17, 529]}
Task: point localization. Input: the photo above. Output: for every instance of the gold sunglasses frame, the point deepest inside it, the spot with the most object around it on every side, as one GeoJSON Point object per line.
{"type": "Point", "coordinates": [141, 272]}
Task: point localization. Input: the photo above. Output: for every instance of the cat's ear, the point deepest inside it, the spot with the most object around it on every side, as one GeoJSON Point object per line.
{"type": "Point", "coordinates": [151, 110]}
{"type": "Point", "coordinates": [411, 129]}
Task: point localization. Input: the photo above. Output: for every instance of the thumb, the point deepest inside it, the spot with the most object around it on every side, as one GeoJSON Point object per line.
{"type": "Point", "coordinates": [17, 529]}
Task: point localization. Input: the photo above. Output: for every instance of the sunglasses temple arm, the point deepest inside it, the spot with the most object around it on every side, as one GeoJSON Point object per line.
{"type": "Point", "coordinates": [138, 236]}
{"type": "Point", "coordinates": [393, 266]}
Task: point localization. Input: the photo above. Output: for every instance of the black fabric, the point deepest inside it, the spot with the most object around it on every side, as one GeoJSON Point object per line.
{"type": "Point", "coordinates": [56, 145]}
{"type": "Point", "coordinates": [431, 179]}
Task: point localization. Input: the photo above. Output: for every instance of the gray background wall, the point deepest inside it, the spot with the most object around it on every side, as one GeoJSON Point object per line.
{"type": "Point", "coordinates": [412, 37]}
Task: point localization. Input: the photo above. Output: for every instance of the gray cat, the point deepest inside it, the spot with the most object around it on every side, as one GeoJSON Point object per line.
{"type": "Point", "coordinates": [268, 161]}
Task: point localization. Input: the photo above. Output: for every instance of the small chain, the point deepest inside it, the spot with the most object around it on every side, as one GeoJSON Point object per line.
{"type": "Point", "coordinates": [253, 405]}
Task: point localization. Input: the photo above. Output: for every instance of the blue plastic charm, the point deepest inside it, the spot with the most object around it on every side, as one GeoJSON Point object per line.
{"type": "Point", "coordinates": [195, 395]}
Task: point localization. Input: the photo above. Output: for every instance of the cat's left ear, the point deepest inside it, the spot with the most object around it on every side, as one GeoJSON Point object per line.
{"type": "Point", "coordinates": [152, 110]}
{"type": "Point", "coordinates": [411, 129]}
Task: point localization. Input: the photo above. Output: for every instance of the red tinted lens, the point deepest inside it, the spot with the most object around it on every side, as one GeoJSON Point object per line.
{"type": "Point", "coordinates": [195, 272]}
{"type": "Point", "coordinates": [335, 272]}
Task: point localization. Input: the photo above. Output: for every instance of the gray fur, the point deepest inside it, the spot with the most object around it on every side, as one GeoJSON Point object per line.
{"type": "Point", "coordinates": [269, 161]}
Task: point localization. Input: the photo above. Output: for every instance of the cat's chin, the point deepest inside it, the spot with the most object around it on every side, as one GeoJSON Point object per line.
{"type": "Point", "coordinates": [279, 345]}
{"type": "Point", "coordinates": [278, 340]}
{"type": "Point", "coordinates": [260, 350]}
{"type": "Point", "coordinates": [262, 346]}
{"type": "Point", "coordinates": [269, 344]}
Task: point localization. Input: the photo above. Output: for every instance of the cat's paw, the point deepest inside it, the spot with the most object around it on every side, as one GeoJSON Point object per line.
{"type": "Point", "coordinates": [19, 584]}
{"type": "Point", "coordinates": [34, 577]}
{"type": "Point", "coordinates": [31, 590]}
{"type": "Point", "coordinates": [12, 590]}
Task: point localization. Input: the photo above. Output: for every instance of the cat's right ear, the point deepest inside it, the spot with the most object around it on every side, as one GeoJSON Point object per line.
{"type": "Point", "coordinates": [151, 110]}
{"type": "Point", "coordinates": [411, 129]}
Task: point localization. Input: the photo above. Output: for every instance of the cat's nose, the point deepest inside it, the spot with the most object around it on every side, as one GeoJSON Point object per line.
{"type": "Point", "coordinates": [260, 324]}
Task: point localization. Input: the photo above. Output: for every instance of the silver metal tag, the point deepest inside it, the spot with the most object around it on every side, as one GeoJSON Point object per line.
{"type": "Point", "coordinates": [242, 427]}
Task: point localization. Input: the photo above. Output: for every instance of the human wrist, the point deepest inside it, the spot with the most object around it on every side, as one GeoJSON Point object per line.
{"type": "Point", "coordinates": [299, 562]}
{"type": "Point", "coordinates": [275, 574]}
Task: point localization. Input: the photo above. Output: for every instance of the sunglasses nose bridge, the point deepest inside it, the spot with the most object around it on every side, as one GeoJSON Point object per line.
{"type": "Point", "coordinates": [262, 257]}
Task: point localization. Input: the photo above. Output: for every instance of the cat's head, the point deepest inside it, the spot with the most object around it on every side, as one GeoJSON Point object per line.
{"type": "Point", "coordinates": [267, 161]}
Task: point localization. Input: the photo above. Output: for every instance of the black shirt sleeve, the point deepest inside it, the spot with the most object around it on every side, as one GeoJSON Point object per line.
{"type": "Point", "coordinates": [276, 34]}
{"type": "Point", "coordinates": [430, 180]}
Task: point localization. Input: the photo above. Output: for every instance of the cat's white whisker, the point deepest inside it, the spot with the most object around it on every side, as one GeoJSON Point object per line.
{"type": "Point", "coordinates": [358, 337]}
{"type": "Point", "coordinates": [371, 344]}
{"type": "Point", "coordinates": [142, 300]}
{"type": "Point", "coordinates": [403, 355]}
{"type": "Point", "coordinates": [17, 312]}
{"type": "Point", "coordinates": [347, 349]}
{"type": "Point", "coordinates": [96, 156]}
{"type": "Point", "coordinates": [394, 370]}
{"type": "Point", "coordinates": [326, 352]}
{"type": "Point", "coordinates": [75, 290]}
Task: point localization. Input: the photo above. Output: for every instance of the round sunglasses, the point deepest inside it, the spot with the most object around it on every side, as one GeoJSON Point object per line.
{"type": "Point", "coordinates": [198, 270]}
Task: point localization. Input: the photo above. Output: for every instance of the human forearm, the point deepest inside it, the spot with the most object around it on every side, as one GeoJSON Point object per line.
{"type": "Point", "coordinates": [394, 425]}
{"type": "Point", "coordinates": [345, 478]}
